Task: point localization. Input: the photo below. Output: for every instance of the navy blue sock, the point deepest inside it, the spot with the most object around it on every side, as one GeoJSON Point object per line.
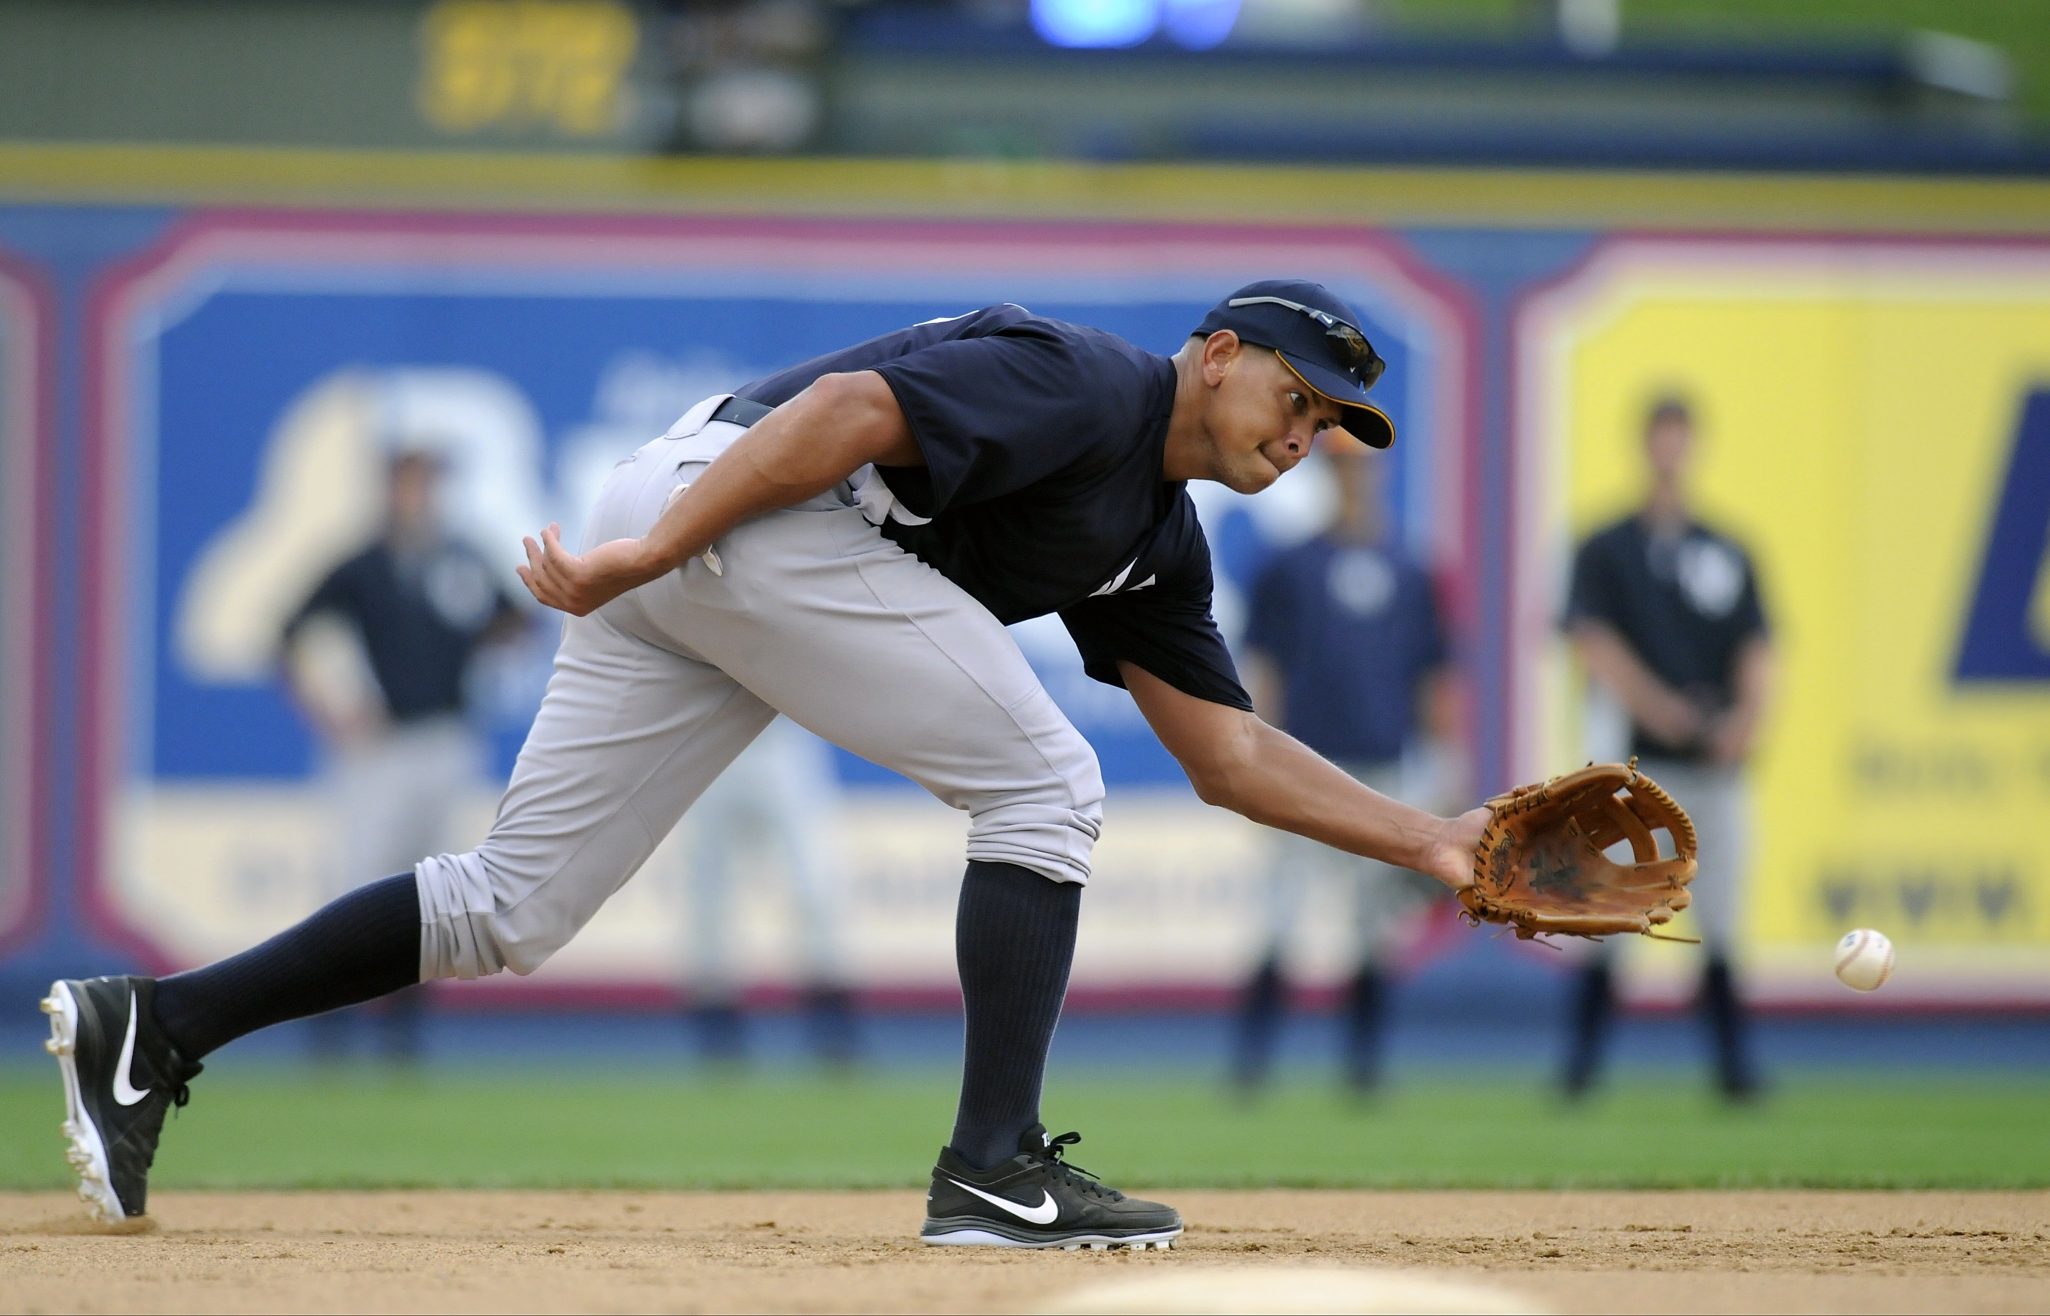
{"type": "Point", "coordinates": [1014, 940]}
{"type": "Point", "coordinates": [361, 946]}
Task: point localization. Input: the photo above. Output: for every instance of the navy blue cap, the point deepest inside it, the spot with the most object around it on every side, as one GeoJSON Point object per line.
{"type": "Point", "coordinates": [1318, 337]}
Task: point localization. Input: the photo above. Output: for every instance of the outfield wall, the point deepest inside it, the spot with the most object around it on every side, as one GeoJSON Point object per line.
{"type": "Point", "coordinates": [201, 348]}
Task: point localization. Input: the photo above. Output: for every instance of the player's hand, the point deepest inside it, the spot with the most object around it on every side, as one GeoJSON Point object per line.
{"type": "Point", "coordinates": [1729, 740]}
{"type": "Point", "coordinates": [582, 584]}
{"type": "Point", "coordinates": [347, 729]}
{"type": "Point", "coordinates": [1450, 858]}
{"type": "Point", "coordinates": [1673, 720]}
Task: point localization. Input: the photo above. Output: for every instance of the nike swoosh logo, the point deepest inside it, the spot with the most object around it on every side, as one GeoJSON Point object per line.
{"type": "Point", "coordinates": [1116, 582]}
{"type": "Point", "coordinates": [124, 1091]}
{"type": "Point", "coordinates": [1043, 1214]}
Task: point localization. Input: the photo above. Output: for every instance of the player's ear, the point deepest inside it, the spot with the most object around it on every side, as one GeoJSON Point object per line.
{"type": "Point", "coordinates": [1221, 351]}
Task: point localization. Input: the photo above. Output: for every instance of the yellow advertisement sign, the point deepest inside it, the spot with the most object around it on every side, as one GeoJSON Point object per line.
{"type": "Point", "coordinates": [1875, 428]}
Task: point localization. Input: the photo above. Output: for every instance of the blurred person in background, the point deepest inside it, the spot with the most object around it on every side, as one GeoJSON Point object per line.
{"type": "Point", "coordinates": [747, 74]}
{"type": "Point", "coordinates": [780, 795]}
{"type": "Point", "coordinates": [1346, 653]}
{"type": "Point", "coordinates": [375, 659]}
{"type": "Point", "coordinates": [1664, 613]}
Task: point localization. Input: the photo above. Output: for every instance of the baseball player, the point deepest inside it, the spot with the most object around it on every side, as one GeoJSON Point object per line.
{"type": "Point", "coordinates": [845, 542]}
{"type": "Point", "coordinates": [1345, 652]}
{"type": "Point", "coordinates": [1665, 615]}
{"type": "Point", "coordinates": [418, 603]}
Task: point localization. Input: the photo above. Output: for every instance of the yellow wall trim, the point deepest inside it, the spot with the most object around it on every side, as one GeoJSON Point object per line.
{"type": "Point", "coordinates": [201, 175]}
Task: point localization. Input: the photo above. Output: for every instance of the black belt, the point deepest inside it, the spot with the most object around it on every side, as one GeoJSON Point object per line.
{"type": "Point", "coordinates": [739, 411]}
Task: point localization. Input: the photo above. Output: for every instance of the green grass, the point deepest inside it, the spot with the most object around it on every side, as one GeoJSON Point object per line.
{"type": "Point", "coordinates": [253, 1128]}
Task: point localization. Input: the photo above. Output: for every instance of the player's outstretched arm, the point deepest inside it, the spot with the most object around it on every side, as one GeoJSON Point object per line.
{"type": "Point", "coordinates": [1238, 762]}
{"type": "Point", "coordinates": [801, 449]}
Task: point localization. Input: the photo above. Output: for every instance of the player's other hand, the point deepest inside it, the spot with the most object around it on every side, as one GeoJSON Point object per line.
{"type": "Point", "coordinates": [1451, 855]}
{"type": "Point", "coordinates": [582, 584]}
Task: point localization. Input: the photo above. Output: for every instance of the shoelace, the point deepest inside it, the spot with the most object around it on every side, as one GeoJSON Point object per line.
{"type": "Point", "coordinates": [180, 1090]}
{"type": "Point", "coordinates": [1072, 1174]}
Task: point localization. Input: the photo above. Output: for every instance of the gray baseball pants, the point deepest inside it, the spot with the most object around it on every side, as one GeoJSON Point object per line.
{"type": "Point", "coordinates": [816, 615]}
{"type": "Point", "coordinates": [1715, 798]}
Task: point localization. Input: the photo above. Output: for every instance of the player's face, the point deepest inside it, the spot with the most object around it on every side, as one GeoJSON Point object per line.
{"type": "Point", "coordinates": [413, 481]}
{"type": "Point", "coordinates": [1668, 446]}
{"type": "Point", "coordinates": [1263, 420]}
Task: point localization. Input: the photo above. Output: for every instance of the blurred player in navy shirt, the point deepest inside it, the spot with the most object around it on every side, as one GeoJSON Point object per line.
{"type": "Point", "coordinates": [408, 613]}
{"type": "Point", "coordinates": [1665, 615]}
{"type": "Point", "coordinates": [1344, 651]}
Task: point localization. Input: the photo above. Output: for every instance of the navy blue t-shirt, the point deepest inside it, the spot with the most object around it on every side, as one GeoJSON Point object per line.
{"type": "Point", "coordinates": [1352, 630]}
{"type": "Point", "coordinates": [1042, 483]}
{"type": "Point", "coordinates": [1685, 604]}
{"type": "Point", "coordinates": [421, 618]}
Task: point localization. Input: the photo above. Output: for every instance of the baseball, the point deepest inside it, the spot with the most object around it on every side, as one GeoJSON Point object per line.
{"type": "Point", "coordinates": [1864, 959]}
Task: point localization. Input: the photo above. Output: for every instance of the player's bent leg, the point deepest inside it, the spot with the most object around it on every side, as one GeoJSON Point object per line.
{"type": "Point", "coordinates": [999, 1181]}
{"type": "Point", "coordinates": [874, 650]}
{"type": "Point", "coordinates": [1014, 942]}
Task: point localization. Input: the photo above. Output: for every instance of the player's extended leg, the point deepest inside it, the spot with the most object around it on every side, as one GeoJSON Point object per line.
{"type": "Point", "coordinates": [627, 736]}
{"type": "Point", "coordinates": [128, 1046]}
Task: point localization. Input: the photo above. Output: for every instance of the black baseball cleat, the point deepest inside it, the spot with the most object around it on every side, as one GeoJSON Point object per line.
{"type": "Point", "coordinates": [120, 1075]}
{"type": "Point", "coordinates": [1036, 1199]}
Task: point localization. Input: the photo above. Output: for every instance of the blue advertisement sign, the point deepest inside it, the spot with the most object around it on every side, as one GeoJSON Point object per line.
{"type": "Point", "coordinates": [531, 362]}
{"type": "Point", "coordinates": [254, 375]}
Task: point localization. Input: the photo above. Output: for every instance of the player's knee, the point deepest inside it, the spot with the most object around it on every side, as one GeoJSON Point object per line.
{"type": "Point", "coordinates": [468, 931]}
{"type": "Point", "coordinates": [1055, 840]}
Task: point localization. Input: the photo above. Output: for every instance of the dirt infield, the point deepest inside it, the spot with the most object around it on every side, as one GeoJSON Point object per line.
{"type": "Point", "coordinates": [847, 1251]}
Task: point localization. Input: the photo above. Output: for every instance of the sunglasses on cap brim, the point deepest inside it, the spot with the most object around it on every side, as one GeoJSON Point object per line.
{"type": "Point", "coordinates": [1349, 347]}
{"type": "Point", "coordinates": [1345, 408]}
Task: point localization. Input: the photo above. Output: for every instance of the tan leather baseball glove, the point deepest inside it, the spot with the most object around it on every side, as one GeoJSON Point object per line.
{"type": "Point", "coordinates": [1540, 866]}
